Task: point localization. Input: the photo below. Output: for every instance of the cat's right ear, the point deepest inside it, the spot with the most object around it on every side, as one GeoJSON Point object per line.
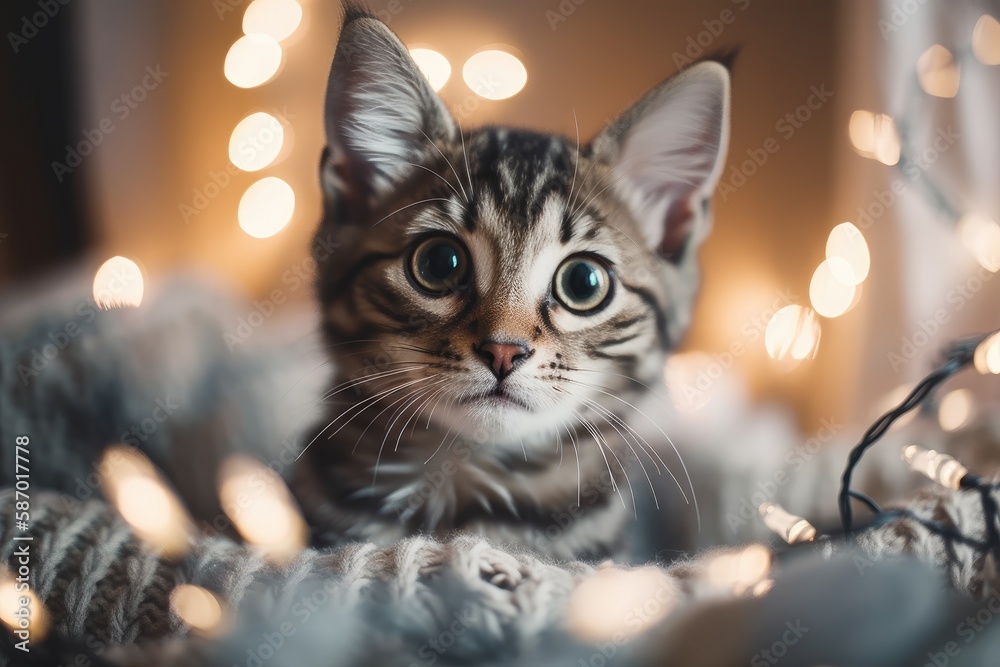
{"type": "Point", "coordinates": [381, 114]}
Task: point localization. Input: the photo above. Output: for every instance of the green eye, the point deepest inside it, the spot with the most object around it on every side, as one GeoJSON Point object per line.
{"type": "Point", "coordinates": [582, 284]}
{"type": "Point", "coordinates": [438, 265]}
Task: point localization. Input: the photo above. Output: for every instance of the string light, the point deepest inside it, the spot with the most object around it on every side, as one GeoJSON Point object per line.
{"type": "Point", "coordinates": [847, 244]}
{"type": "Point", "coordinates": [258, 503]}
{"type": "Point", "coordinates": [434, 66]}
{"type": "Point", "coordinates": [256, 141]}
{"type": "Point", "coordinates": [829, 296]}
{"type": "Point", "coordinates": [792, 333]}
{"type": "Point", "coordinates": [602, 606]}
{"type": "Point", "coordinates": [874, 136]}
{"type": "Point", "coordinates": [987, 355]}
{"type": "Point", "coordinates": [986, 40]}
{"type": "Point", "coordinates": [495, 74]}
{"type": "Point", "coordinates": [266, 207]}
{"type": "Point", "coordinates": [253, 61]}
{"type": "Point", "coordinates": [740, 572]}
{"type": "Point", "coordinates": [788, 526]}
{"type": "Point", "coordinates": [955, 409]}
{"type": "Point", "coordinates": [938, 72]}
{"type": "Point", "coordinates": [936, 466]}
{"type": "Point", "coordinates": [981, 237]}
{"type": "Point", "coordinates": [118, 284]}
{"type": "Point", "coordinates": [278, 19]}
{"type": "Point", "coordinates": [137, 491]}
{"type": "Point", "coordinates": [197, 607]}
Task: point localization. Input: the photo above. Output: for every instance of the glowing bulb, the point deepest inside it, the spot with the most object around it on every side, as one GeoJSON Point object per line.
{"type": "Point", "coordinates": [986, 40]}
{"type": "Point", "coordinates": [955, 409]}
{"type": "Point", "coordinates": [434, 66]}
{"type": "Point", "coordinates": [256, 141]}
{"type": "Point", "coordinates": [260, 506]}
{"type": "Point", "coordinates": [740, 571]}
{"type": "Point", "coordinates": [874, 136]}
{"type": "Point", "coordinates": [936, 466]}
{"type": "Point", "coordinates": [266, 207]}
{"type": "Point", "coordinates": [792, 333]}
{"type": "Point", "coordinates": [118, 283]}
{"type": "Point", "coordinates": [252, 61]}
{"type": "Point", "coordinates": [981, 237]}
{"type": "Point", "coordinates": [197, 607]}
{"type": "Point", "coordinates": [828, 295]}
{"type": "Point", "coordinates": [987, 355]}
{"type": "Point", "coordinates": [136, 490]}
{"type": "Point", "coordinates": [790, 527]}
{"type": "Point", "coordinates": [938, 72]}
{"type": "Point", "coordinates": [21, 610]}
{"type": "Point", "coordinates": [847, 243]}
{"type": "Point", "coordinates": [277, 19]}
{"type": "Point", "coordinates": [600, 607]}
{"type": "Point", "coordinates": [494, 74]}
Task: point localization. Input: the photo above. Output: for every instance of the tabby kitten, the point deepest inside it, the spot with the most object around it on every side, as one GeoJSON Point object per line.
{"type": "Point", "coordinates": [494, 301]}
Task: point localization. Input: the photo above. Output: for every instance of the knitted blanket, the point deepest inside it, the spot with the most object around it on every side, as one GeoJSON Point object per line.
{"type": "Point", "coordinates": [107, 599]}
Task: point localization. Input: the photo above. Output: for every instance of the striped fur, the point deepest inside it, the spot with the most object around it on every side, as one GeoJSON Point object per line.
{"type": "Point", "coordinates": [416, 438]}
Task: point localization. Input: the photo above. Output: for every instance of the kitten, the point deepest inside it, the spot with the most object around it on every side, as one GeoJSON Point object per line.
{"type": "Point", "coordinates": [494, 301]}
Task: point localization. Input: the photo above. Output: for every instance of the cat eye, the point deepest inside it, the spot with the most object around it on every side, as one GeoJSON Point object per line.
{"type": "Point", "coordinates": [583, 284]}
{"type": "Point", "coordinates": [438, 265]}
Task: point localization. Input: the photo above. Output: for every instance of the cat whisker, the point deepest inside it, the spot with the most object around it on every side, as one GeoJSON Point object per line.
{"type": "Point", "coordinates": [466, 155]}
{"type": "Point", "coordinates": [416, 203]}
{"type": "Point", "coordinates": [576, 163]}
{"type": "Point", "coordinates": [446, 181]}
{"type": "Point", "coordinates": [387, 408]}
{"type": "Point", "coordinates": [459, 178]}
{"type": "Point", "coordinates": [602, 443]}
{"type": "Point", "coordinates": [687, 474]}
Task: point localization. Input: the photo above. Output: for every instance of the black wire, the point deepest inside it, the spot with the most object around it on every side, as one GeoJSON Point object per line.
{"type": "Point", "coordinates": [872, 505]}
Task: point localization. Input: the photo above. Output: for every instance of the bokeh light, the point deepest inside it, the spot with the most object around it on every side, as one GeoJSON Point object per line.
{"type": "Point", "coordinates": [118, 283]}
{"type": "Point", "coordinates": [197, 607]}
{"type": "Point", "coordinates": [987, 355]}
{"type": "Point", "coordinates": [874, 136]}
{"type": "Point", "coordinates": [256, 141]}
{"type": "Point", "coordinates": [603, 605]}
{"type": "Point", "coordinates": [986, 40]}
{"type": "Point", "coordinates": [18, 616]}
{"type": "Point", "coordinates": [791, 528]}
{"type": "Point", "coordinates": [433, 65]}
{"type": "Point", "coordinates": [848, 243]}
{"type": "Point", "coordinates": [277, 19]}
{"type": "Point", "coordinates": [258, 503]}
{"type": "Point", "coordinates": [266, 207]}
{"type": "Point", "coordinates": [792, 333]}
{"type": "Point", "coordinates": [253, 61]}
{"type": "Point", "coordinates": [138, 492]}
{"type": "Point", "coordinates": [981, 237]}
{"type": "Point", "coordinates": [955, 409]}
{"type": "Point", "coordinates": [495, 74]}
{"type": "Point", "coordinates": [829, 296]}
{"type": "Point", "coordinates": [938, 72]}
{"type": "Point", "coordinates": [741, 571]}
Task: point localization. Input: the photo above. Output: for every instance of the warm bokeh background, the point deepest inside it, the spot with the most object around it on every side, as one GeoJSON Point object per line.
{"type": "Point", "coordinates": [127, 198]}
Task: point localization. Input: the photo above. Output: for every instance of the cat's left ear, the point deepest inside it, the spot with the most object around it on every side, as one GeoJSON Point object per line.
{"type": "Point", "coordinates": [666, 154]}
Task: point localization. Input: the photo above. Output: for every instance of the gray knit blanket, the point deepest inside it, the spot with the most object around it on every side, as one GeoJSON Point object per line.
{"type": "Point", "coordinates": [466, 601]}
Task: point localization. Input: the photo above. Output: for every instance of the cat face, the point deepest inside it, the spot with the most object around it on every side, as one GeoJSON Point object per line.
{"type": "Point", "coordinates": [504, 283]}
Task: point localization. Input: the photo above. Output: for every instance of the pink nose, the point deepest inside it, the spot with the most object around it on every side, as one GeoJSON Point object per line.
{"type": "Point", "coordinates": [502, 357]}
